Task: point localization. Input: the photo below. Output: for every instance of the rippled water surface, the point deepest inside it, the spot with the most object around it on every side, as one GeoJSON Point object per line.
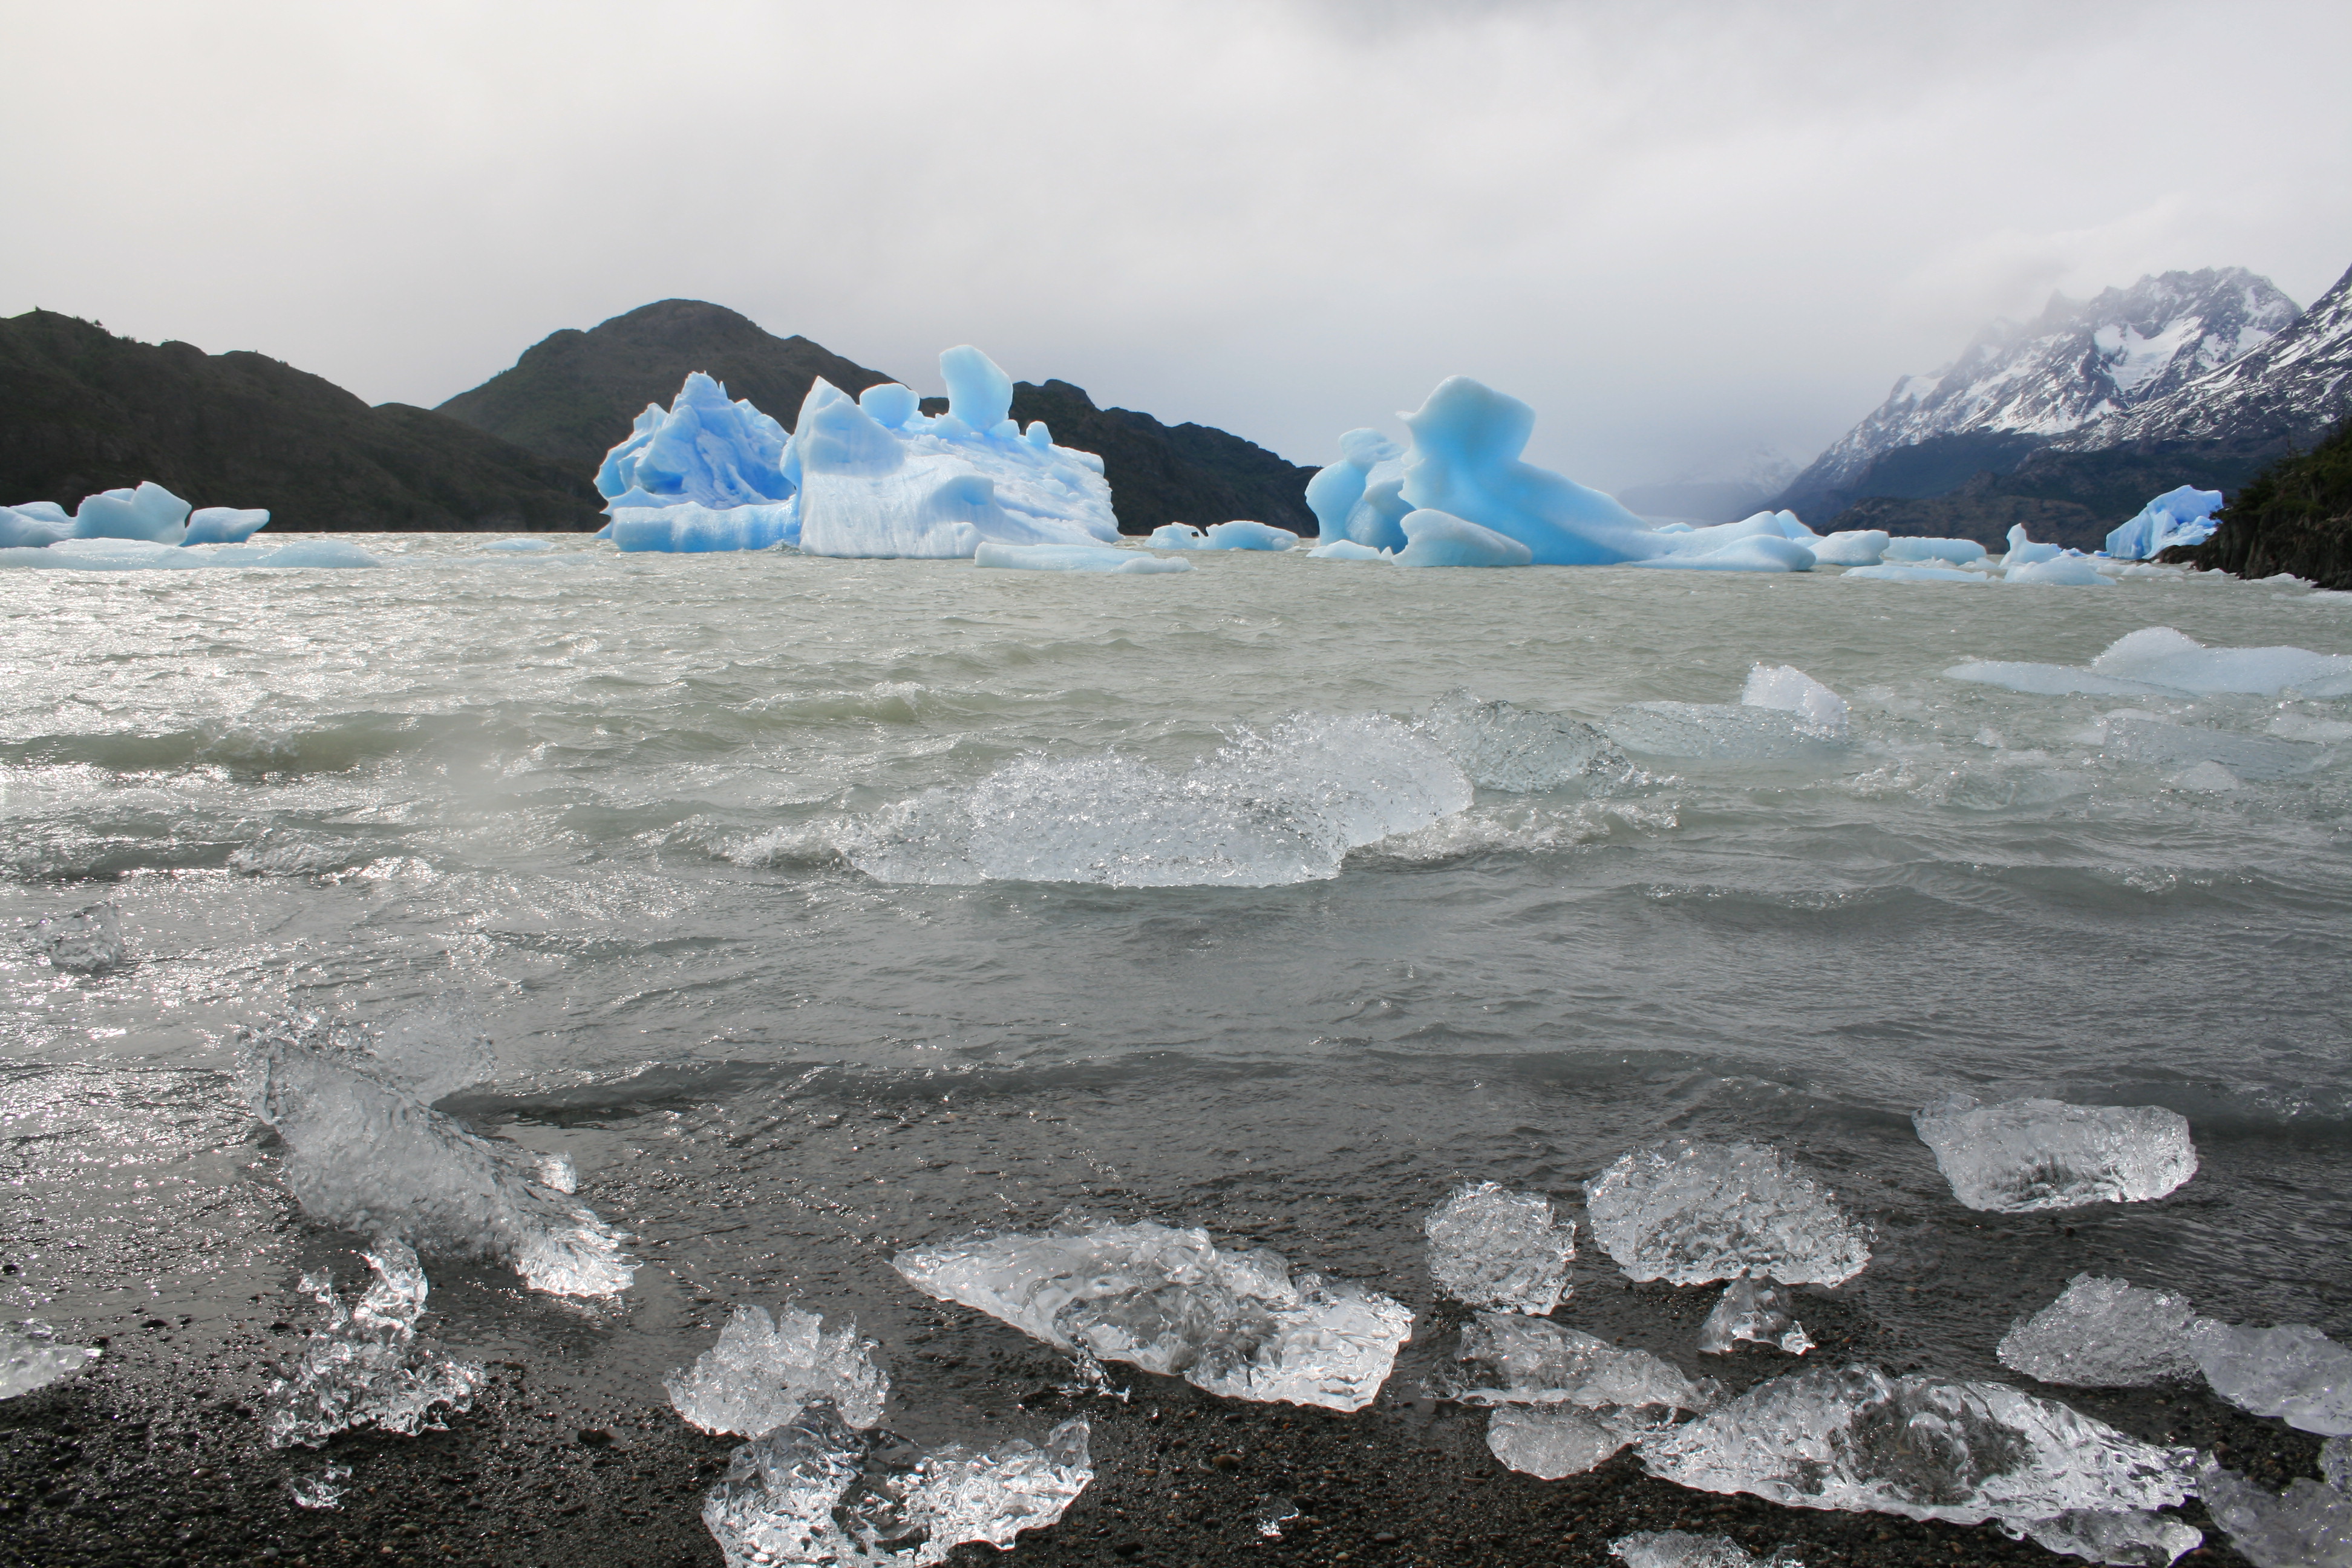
{"type": "Point", "coordinates": [816, 907]}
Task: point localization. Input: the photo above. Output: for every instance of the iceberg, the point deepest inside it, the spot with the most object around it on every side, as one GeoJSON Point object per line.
{"type": "Point", "coordinates": [2105, 1333]}
{"type": "Point", "coordinates": [369, 1155]}
{"type": "Point", "coordinates": [33, 525]}
{"type": "Point", "coordinates": [1345, 550]}
{"type": "Point", "coordinates": [1237, 1325]}
{"type": "Point", "coordinates": [2068, 570]}
{"type": "Point", "coordinates": [2182, 517]}
{"type": "Point", "coordinates": [2307, 1526]}
{"type": "Point", "coordinates": [1239, 534]}
{"type": "Point", "coordinates": [764, 1371]}
{"type": "Point", "coordinates": [1690, 1213]}
{"type": "Point", "coordinates": [1783, 688]}
{"type": "Point", "coordinates": [1491, 1248]}
{"type": "Point", "coordinates": [1680, 1549]}
{"type": "Point", "coordinates": [2024, 1155]}
{"type": "Point", "coordinates": [1958, 551]}
{"type": "Point", "coordinates": [1893, 572]}
{"type": "Point", "coordinates": [146, 555]}
{"type": "Point", "coordinates": [1851, 547]}
{"type": "Point", "coordinates": [149, 514]}
{"type": "Point", "coordinates": [2160, 662]}
{"type": "Point", "coordinates": [1757, 552]}
{"type": "Point", "coordinates": [88, 942]}
{"type": "Point", "coordinates": [364, 1367]}
{"type": "Point", "coordinates": [1097, 558]}
{"type": "Point", "coordinates": [690, 528]}
{"type": "Point", "coordinates": [1852, 1437]}
{"type": "Point", "coordinates": [1752, 1313]}
{"type": "Point", "coordinates": [703, 448]}
{"type": "Point", "coordinates": [225, 524]}
{"type": "Point", "coordinates": [1439, 539]}
{"type": "Point", "coordinates": [1783, 712]}
{"type": "Point", "coordinates": [31, 1358]}
{"type": "Point", "coordinates": [2024, 552]}
{"type": "Point", "coordinates": [1504, 746]}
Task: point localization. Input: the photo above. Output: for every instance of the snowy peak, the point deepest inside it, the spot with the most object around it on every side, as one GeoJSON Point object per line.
{"type": "Point", "coordinates": [2081, 361]}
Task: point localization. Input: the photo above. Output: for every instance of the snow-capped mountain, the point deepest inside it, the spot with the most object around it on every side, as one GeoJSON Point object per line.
{"type": "Point", "coordinates": [2020, 386]}
{"type": "Point", "coordinates": [2293, 387]}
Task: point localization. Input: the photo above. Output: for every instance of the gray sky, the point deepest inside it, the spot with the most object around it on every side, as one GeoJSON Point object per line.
{"type": "Point", "coordinates": [1679, 231]}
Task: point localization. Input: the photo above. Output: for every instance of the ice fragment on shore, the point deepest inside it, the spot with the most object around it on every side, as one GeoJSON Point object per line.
{"type": "Point", "coordinates": [775, 1504]}
{"type": "Point", "coordinates": [2105, 1333]}
{"type": "Point", "coordinates": [2292, 1372]}
{"type": "Point", "coordinates": [1852, 1437]}
{"type": "Point", "coordinates": [1680, 1549]}
{"type": "Point", "coordinates": [1504, 746]}
{"type": "Point", "coordinates": [367, 1155]}
{"type": "Point", "coordinates": [2027, 1155]}
{"type": "Point", "coordinates": [364, 1367]}
{"type": "Point", "coordinates": [324, 1489]}
{"type": "Point", "coordinates": [2307, 1526]}
{"type": "Point", "coordinates": [1756, 1313]}
{"type": "Point", "coordinates": [763, 1370]}
{"type": "Point", "coordinates": [1495, 1249]}
{"type": "Point", "coordinates": [1690, 1213]}
{"type": "Point", "coordinates": [2146, 1540]}
{"type": "Point", "coordinates": [959, 1495]}
{"type": "Point", "coordinates": [1273, 1515]}
{"type": "Point", "coordinates": [88, 942]}
{"type": "Point", "coordinates": [31, 1358]}
{"type": "Point", "coordinates": [1548, 1441]}
{"type": "Point", "coordinates": [2335, 1462]}
{"type": "Point", "coordinates": [1165, 1301]}
{"type": "Point", "coordinates": [1520, 1361]}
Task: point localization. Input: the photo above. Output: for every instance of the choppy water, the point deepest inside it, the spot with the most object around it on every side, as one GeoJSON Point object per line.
{"type": "Point", "coordinates": [735, 859]}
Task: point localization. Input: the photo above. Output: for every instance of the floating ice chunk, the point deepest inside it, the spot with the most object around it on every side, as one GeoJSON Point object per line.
{"type": "Point", "coordinates": [1344, 550]}
{"type": "Point", "coordinates": [1898, 572]}
{"type": "Point", "coordinates": [367, 1155]}
{"type": "Point", "coordinates": [1240, 534]}
{"type": "Point", "coordinates": [2180, 516]}
{"type": "Point", "coordinates": [1789, 689]}
{"type": "Point", "coordinates": [2307, 1526]}
{"type": "Point", "coordinates": [2159, 661]}
{"type": "Point", "coordinates": [1852, 1437]}
{"type": "Point", "coordinates": [1958, 551]}
{"type": "Point", "coordinates": [1691, 1212]}
{"type": "Point", "coordinates": [2105, 1333]}
{"type": "Point", "coordinates": [1756, 1314]}
{"type": "Point", "coordinates": [324, 1489]}
{"type": "Point", "coordinates": [2149, 1540]}
{"type": "Point", "coordinates": [1851, 547]}
{"type": "Point", "coordinates": [1495, 1249]}
{"type": "Point", "coordinates": [364, 1366]}
{"type": "Point", "coordinates": [689, 528]}
{"type": "Point", "coordinates": [151, 513]}
{"type": "Point", "coordinates": [763, 1370]}
{"type": "Point", "coordinates": [1680, 1549]}
{"type": "Point", "coordinates": [1717, 730]}
{"type": "Point", "coordinates": [1439, 539]}
{"type": "Point", "coordinates": [31, 1358]}
{"type": "Point", "coordinates": [88, 942]}
{"type": "Point", "coordinates": [519, 546]}
{"type": "Point", "coordinates": [705, 449]}
{"type": "Point", "coordinates": [2060, 571]}
{"type": "Point", "coordinates": [2292, 1372]}
{"type": "Point", "coordinates": [30, 526]}
{"type": "Point", "coordinates": [2024, 551]}
{"type": "Point", "coordinates": [224, 525]}
{"type": "Point", "coordinates": [2139, 737]}
{"type": "Point", "coordinates": [146, 555]}
{"type": "Point", "coordinates": [1096, 558]}
{"type": "Point", "coordinates": [1755, 552]}
{"type": "Point", "coordinates": [307, 553]}
{"type": "Point", "coordinates": [1504, 746]}
{"type": "Point", "coordinates": [1178, 536]}
{"type": "Point", "coordinates": [2027, 1155]}
{"type": "Point", "coordinates": [1508, 1358]}
{"type": "Point", "coordinates": [1168, 1301]}
{"type": "Point", "coordinates": [1548, 1441]}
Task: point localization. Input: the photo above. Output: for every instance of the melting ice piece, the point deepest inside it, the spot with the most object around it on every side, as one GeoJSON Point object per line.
{"type": "Point", "coordinates": [1851, 547]}
{"type": "Point", "coordinates": [1852, 1437]}
{"type": "Point", "coordinates": [2307, 1526]}
{"type": "Point", "coordinates": [1239, 534]}
{"type": "Point", "coordinates": [2060, 572]}
{"type": "Point", "coordinates": [1680, 1549]}
{"type": "Point", "coordinates": [959, 1495]}
{"type": "Point", "coordinates": [1787, 688]}
{"type": "Point", "coordinates": [1745, 733]}
{"type": "Point", "coordinates": [763, 1370]}
{"type": "Point", "coordinates": [2292, 1372]}
{"type": "Point", "coordinates": [225, 524]}
{"type": "Point", "coordinates": [2105, 1333]}
{"type": "Point", "coordinates": [1691, 1212]}
{"type": "Point", "coordinates": [324, 1489]}
{"type": "Point", "coordinates": [31, 1358]}
{"type": "Point", "coordinates": [2150, 1540]}
{"type": "Point", "coordinates": [1506, 1359]}
{"type": "Point", "coordinates": [1548, 1441]}
{"type": "Point", "coordinates": [775, 1504]}
{"type": "Point", "coordinates": [1495, 1249]}
{"type": "Point", "coordinates": [1097, 558]}
{"type": "Point", "coordinates": [2027, 1154]}
{"type": "Point", "coordinates": [2160, 661]}
{"type": "Point", "coordinates": [2182, 515]}
{"type": "Point", "coordinates": [1345, 550]}
{"type": "Point", "coordinates": [2336, 1463]}
{"type": "Point", "coordinates": [369, 1155]}
{"type": "Point", "coordinates": [88, 942]}
{"type": "Point", "coordinates": [1757, 1314]}
{"type": "Point", "coordinates": [1273, 1514]}
{"type": "Point", "coordinates": [1441, 539]}
{"type": "Point", "coordinates": [1902, 572]}
{"type": "Point", "coordinates": [1959, 551]}
{"type": "Point", "coordinates": [1504, 746]}
{"type": "Point", "coordinates": [1165, 1301]}
{"type": "Point", "coordinates": [364, 1367]}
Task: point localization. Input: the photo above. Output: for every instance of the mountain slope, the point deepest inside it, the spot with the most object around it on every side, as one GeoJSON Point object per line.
{"type": "Point", "coordinates": [2018, 387]}
{"type": "Point", "coordinates": [573, 395]}
{"type": "Point", "coordinates": [82, 410]}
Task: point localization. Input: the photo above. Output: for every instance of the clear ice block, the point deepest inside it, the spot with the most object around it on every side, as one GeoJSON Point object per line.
{"type": "Point", "coordinates": [2307, 1526]}
{"type": "Point", "coordinates": [763, 1369]}
{"type": "Point", "coordinates": [2105, 1333]}
{"type": "Point", "coordinates": [1753, 1313]}
{"type": "Point", "coordinates": [1492, 1248]}
{"type": "Point", "coordinates": [2029, 1154]}
{"type": "Point", "coordinates": [1693, 1212]}
{"type": "Point", "coordinates": [31, 1358]}
{"type": "Point", "coordinates": [364, 1367]}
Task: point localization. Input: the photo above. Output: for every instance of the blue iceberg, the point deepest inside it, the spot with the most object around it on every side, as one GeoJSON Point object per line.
{"type": "Point", "coordinates": [2179, 517]}
{"type": "Point", "coordinates": [147, 555]}
{"type": "Point", "coordinates": [150, 514]}
{"type": "Point", "coordinates": [1075, 558]}
{"type": "Point", "coordinates": [1438, 539]}
{"type": "Point", "coordinates": [692, 528]}
{"type": "Point", "coordinates": [1345, 550]}
{"type": "Point", "coordinates": [704, 448]}
{"type": "Point", "coordinates": [1240, 534]}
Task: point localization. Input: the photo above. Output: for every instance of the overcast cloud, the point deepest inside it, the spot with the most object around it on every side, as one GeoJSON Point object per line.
{"type": "Point", "coordinates": [1678, 230]}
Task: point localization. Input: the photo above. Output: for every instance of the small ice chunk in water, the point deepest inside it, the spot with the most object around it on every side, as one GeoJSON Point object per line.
{"type": "Point", "coordinates": [2027, 1154]}
{"type": "Point", "coordinates": [31, 1358]}
{"type": "Point", "coordinates": [1789, 689]}
{"type": "Point", "coordinates": [1756, 1313]}
{"type": "Point", "coordinates": [324, 1489]}
{"type": "Point", "coordinates": [88, 942]}
{"type": "Point", "coordinates": [2149, 1540]}
{"type": "Point", "coordinates": [2307, 1526]}
{"type": "Point", "coordinates": [1548, 1441]}
{"type": "Point", "coordinates": [2105, 1333]}
{"type": "Point", "coordinates": [1722, 732]}
{"type": "Point", "coordinates": [1168, 1301]}
{"type": "Point", "coordinates": [1523, 1360]}
{"type": "Point", "coordinates": [1680, 1549]}
{"type": "Point", "coordinates": [364, 1367]}
{"type": "Point", "coordinates": [2292, 1372]}
{"type": "Point", "coordinates": [1690, 1213]}
{"type": "Point", "coordinates": [763, 1370]}
{"type": "Point", "coordinates": [1495, 1249]}
{"type": "Point", "coordinates": [1852, 1437]}
{"type": "Point", "coordinates": [1501, 745]}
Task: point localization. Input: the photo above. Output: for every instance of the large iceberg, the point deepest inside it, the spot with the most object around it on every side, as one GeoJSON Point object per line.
{"type": "Point", "coordinates": [703, 448]}
{"type": "Point", "coordinates": [764, 1371]}
{"type": "Point", "coordinates": [1493, 1247]}
{"type": "Point", "coordinates": [2183, 516]}
{"type": "Point", "coordinates": [364, 1366]}
{"type": "Point", "coordinates": [2157, 661]}
{"type": "Point", "coordinates": [149, 514]}
{"type": "Point", "coordinates": [1690, 1213]}
{"type": "Point", "coordinates": [1238, 1324]}
{"type": "Point", "coordinates": [2027, 1155]}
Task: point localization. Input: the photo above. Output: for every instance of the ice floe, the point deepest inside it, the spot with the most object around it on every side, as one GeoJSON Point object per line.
{"type": "Point", "coordinates": [1239, 534]}
{"type": "Point", "coordinates": [1165, 1301]}
{"type": "Point", "coordinates": [2023, 1155]}
{"type": "Point", "coordinates": [1690, 1212]}
{"type": "Point", "coordinates": [1851, 547]}
{"type": "Point", "coordinates": [1752, 1312]}
{"type": "Point", "coordinates": [364, 1366]}
{"type": "Point", "coordinates": [1504, 746]}
{"type": "Point", "coordinates": [108, 554]}
{"type": "Point", "coordinates": [1076, 558]}
{"type": "Point", "coordinates": [1493, 1247]}
{"type": "Point", "coordinates": [2182, 515]}
{"type": "Point", "coordinates": [2105, 1333]}
{"type": "Point", "coordinates": [1680, 1549]}
{"type": "Point", "coordinates": [764, 1370]}
{"type": "Point", "coordinates": [1781, 712]}
{"type": "Point", "coordinates": [31, 1358]}
{"type": "Point", "coordinates": [1958, 551]}
{"type": "Point", "coordinates": [367, 1154]}
{"type": "Point", "coordinates": [1905, 571]}
{"type": "Point", "coordinates": [2160, 661]}
{"type": "Point", "coordinates": [150, 514]}
{"type": "Point", "coordinates": [1346, 549]}
{"type": "Point", "coordinates": [87, 941]}
{"type": "Point", "coordinates": [2307, 1526]}
{"type": "Point", "coordinates": [2059, 571]}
